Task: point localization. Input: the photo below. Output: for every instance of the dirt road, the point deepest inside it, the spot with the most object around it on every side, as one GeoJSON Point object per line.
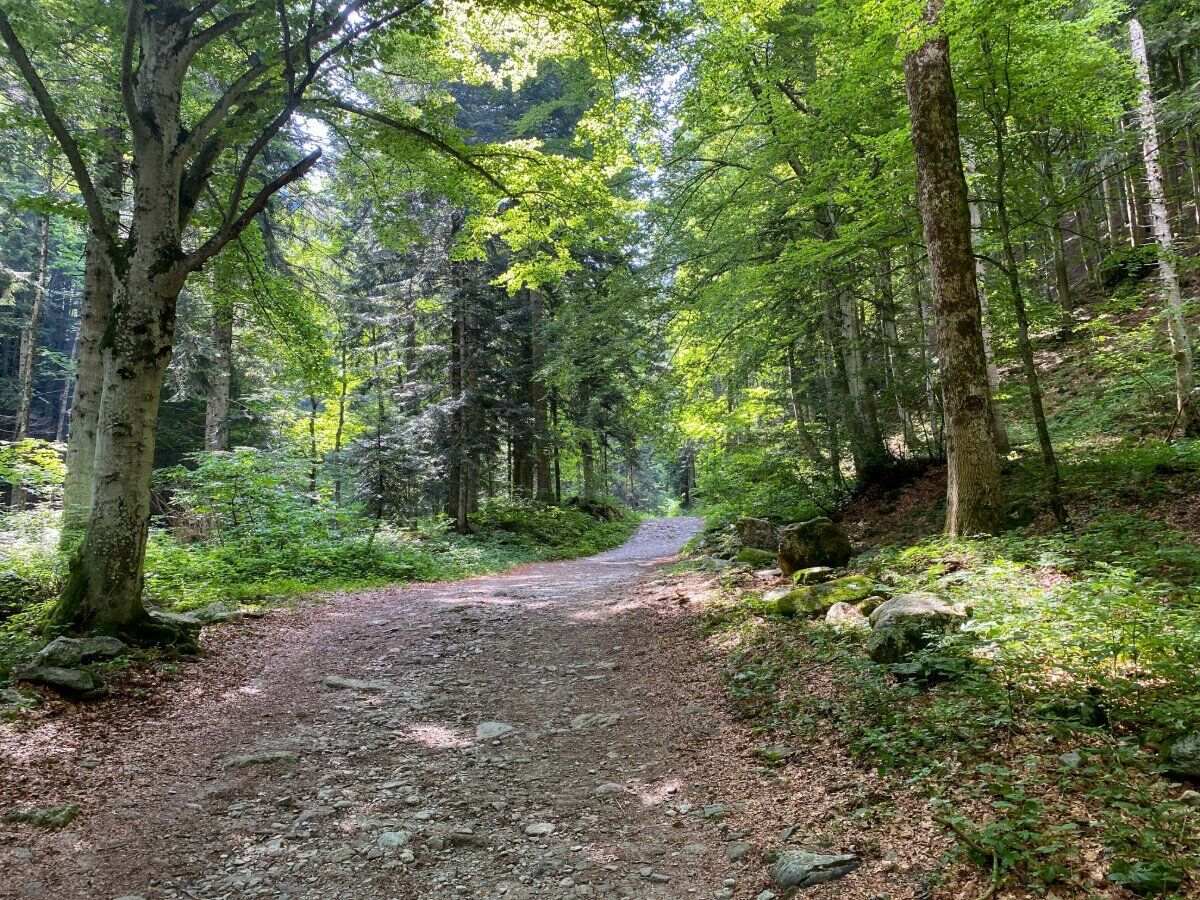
{"type": "Point", "coordinates": [529, 735]}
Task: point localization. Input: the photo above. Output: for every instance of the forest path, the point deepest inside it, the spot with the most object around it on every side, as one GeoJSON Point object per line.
{"type": "Point", "coordinates": [264, 772]}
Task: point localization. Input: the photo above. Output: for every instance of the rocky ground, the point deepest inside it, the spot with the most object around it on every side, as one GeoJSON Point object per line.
{"type": "Point", "coordinates": [554, 732]}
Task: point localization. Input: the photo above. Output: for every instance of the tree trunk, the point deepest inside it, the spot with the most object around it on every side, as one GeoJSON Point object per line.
{"type": "Point", "coordinates": [339, 431]}
{"type": "Point", "coordinates": [993, 371]}
{"type": "Point", "coordinates": [27, 361]}
{"type": "Point", "coordinates": [220, 380]}
{"type": "Point", "coordinates": [94, 313]}
{"type": "Point", "coordinates": [897, 363]}
{"type": "Point", "coordinates": [807, 444]}
{"type": "Point", "coordinates": [999, 117]}
{"type": "Point", "coordinates": [974, 499]}
{"type": "Point", "coordinates": [1117, 231]}
{"type": "Point", "coordinates": [1182, 345]}
{"type": "Point", "coordinates": [541, 436]}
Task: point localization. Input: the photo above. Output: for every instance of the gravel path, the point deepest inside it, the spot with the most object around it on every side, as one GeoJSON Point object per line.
{"type": "Point", "coordinates": [539, 734]}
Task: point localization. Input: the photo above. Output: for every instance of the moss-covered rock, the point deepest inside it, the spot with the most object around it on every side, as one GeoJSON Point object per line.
{"type": "Point", "coordinates": [750, 556]}
{"type": "Point", "coordinates": [817, 542]}
{"type": "Point", "coordinates": [812, 575]}
{"type": "Point", "coordinates": [818, 598]}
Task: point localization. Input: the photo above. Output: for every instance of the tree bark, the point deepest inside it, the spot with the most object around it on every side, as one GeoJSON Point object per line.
{"type": "Point", "coordinates": [27, 359]}
{"type": "Point", "coordinates": [989, 355]}
{"type": "Point", "coordinates": [1182, 344]}
{"type": "Point", "coordinates": [974, 497]}
{"type": "Point", "coordinates": [998, 112]}
{"type": "Point", "coordinates": [220, 379]}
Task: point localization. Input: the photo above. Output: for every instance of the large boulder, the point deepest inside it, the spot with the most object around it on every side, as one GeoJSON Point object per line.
{"type": "Point", "coordinates": [758, 533]}
{"type": "Point", "coordinates": [65, 652]}
{"type": "Point", "coordinates": [817, 599]}
{"type": "Point", "coordinates": [1181, 755]}
{"type": "Point", "coordinates": [804, 869]}
{"type": "Point", "coordinates": [908, 623]}
{"type": "Point", "coordinates": [817, 542]}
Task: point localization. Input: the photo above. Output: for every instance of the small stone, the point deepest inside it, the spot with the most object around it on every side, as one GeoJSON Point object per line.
{"type": "Point", "coordinates": [608, 789]}
{"type": "Point", "coordinates": [488, 731]}
{"type": "Point", "coordinates": [264, 758]}
{"type": "Point", "coordinates": [539, 829]}
{"type": "Point", "coordinates": [737, 850]}
{"type": "Point", "coordinates": [658, 878]}
{"type": "Point", "coordinates": [767, 895]}
{"type": "Point", "coordinates": [389, 840]}
{"type": "Point", "coordinates": [341, 683]}
{"type": "Point", "coordinates": [1190, 798]}
{"type": "Point", "coordinates": [601, 720]}
{"type": "Point", "coordinates": [714, 811]}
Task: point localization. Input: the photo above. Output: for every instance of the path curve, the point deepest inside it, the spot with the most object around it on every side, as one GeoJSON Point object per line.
{"type": "Point", "coordinates": [525, 735]}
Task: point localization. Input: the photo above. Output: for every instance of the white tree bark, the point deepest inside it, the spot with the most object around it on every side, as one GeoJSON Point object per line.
{"type": "Point", "coordinates": [1182, 344]}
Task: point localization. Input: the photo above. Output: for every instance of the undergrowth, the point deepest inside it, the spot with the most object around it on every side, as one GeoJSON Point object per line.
{"type": "Point", "coordinates": [1038, 740]}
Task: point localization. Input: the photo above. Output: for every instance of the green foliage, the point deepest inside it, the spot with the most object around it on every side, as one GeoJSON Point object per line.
{"type": "Point", "coordinates": [35, 466]}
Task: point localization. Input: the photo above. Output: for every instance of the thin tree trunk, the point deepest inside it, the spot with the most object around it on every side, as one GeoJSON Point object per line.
{"type": "Point", "coordinates": [974, 497]}
{"type": "Point", "coordinates": [27, 361]}
{"type": "Point", "coordinates": [807, 444]}
{"type": "Point", "coordinates": [993, 371]}
{"type": "Point", "coordinates": [1182, 344]}
{"type": "Point", "coordinates": [339, 431]}
{"type": "Point", "coordinates": [220, 380]}
{"type": "Point", "coordinates": [999, 115]}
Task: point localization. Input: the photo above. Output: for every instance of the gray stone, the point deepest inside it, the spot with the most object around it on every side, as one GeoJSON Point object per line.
{"type": "Point", "coordinates": [758, 534]}
{"type": "Point", "coordinates": [803, 869]}
{"type": "Point", "coordinates": [263, 758]}
{"type": "Point", "coordinates": [601, 720]}
{"type": "Point", "coordinates": [65, 652]}
{"type": "Point", "coordinates": [908, 623]}
{"type": "Point", "coordinates": [846, 615]}
{"type": "Point", "coordinates": [737, 850]}
{"type": "Point", "coordinates": [539, 829]}
{"type": "Point", "coordinates": [1181, 755]}
{"type": "Point", "coordinates": [488, 731]}
{"type": "Point", "coordinates": [72, 682]}
{"type": "Point", "coordinates": [608, 789]}
{"type": "Point", "coordinates": [389, 840]}
{"type": "Point", "coordinates": [341, 683]}
{"type": "Point", "coordinates": [216, 612]}
{"type": "Point", "coordinates": [1190, 798]}
{"type": "Point", "coordinates": [767, 895]}
{"type": "Point", "coordinates": [51, 817]}
{"type": "Point", "coordinates": [714, 811]}
{"type": "Point", "coordinates": [817, 542]}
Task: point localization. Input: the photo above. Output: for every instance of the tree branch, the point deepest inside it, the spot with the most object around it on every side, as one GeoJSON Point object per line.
{"type": "Point", "coordinates": [433, 140]}
{"type": "Point", "coordinates": [235, 226]}
{"type": "Point", "coordinates": [87, 189]}
{"type": "Point", "coordinates": [128, 92]}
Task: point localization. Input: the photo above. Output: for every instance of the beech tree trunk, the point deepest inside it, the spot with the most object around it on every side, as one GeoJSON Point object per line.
{"type": "Point", "coordinates": [1182, 344]}
{"type": "Point", "coordinates": [220, 380]}
{"type": "Point", "coordinates": [974, 496]}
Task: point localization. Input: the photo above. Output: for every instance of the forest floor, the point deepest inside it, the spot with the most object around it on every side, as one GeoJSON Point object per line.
{"type": "Point", "coordinates": [557, 731]}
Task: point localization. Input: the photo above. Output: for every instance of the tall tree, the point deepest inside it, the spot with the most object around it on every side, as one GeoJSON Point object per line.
{"type": "Point", "coordinates": [1182, 344]}
{"type": "Point", "coordinates": [974, 497]}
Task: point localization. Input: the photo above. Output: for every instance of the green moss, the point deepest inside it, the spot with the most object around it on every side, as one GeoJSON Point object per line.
{"type": "Point", "coordinates": [760, 559]}
{"type": "Point", "coordinates": [817, 598]}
